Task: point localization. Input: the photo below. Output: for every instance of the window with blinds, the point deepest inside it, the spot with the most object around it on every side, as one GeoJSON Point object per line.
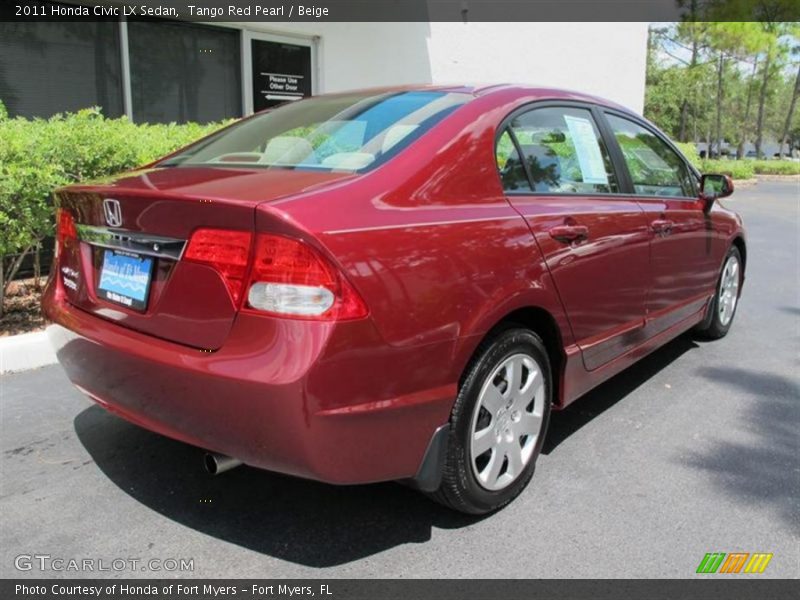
{"type": "Point", "coordinates": [184, 72]}
{"type": "Point", "coordinates": [51, 67]}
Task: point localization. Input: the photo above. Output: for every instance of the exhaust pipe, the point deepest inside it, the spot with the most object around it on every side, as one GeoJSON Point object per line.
{"type": "Point", "coordinates": [219, 463]}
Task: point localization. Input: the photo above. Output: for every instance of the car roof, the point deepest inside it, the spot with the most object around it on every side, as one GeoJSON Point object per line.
{"type": "Point", "coordinates": [531, 92]}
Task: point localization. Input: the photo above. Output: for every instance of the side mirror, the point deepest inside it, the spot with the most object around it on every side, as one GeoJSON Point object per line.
{"type": "Point", "coordinates": [713, 187]}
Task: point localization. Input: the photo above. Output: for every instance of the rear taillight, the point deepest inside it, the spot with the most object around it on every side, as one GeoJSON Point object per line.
{"type": "Point", "coordinates": [226, 251]}
{"type": "Point", "coordinates": [287, 277]}
{"type": "Point", "coordinates": [66, 232]}
{"type": "Point", "coordinates": [291, 278]}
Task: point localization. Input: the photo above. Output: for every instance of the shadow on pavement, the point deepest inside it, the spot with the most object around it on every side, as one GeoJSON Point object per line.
{"type": "Point", "coordinates": [566, 422]}
{"type": "Point", "coordinates": [304, 522]}
{"type": "Point", "coordinates": [760, 469]}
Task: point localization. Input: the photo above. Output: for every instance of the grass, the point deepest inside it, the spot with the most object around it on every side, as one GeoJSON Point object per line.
{"type": "Point", "coordinates": [776, 167]}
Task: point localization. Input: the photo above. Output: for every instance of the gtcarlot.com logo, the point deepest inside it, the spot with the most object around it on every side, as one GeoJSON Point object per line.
{"type": "Point", "coordinates": [735, 562]}
{"type": "Point", "coordinates": [46, 562]}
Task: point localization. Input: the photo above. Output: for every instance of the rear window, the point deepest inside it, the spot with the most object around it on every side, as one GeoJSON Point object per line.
{"type": "Point", "coordinates": [350, 132]}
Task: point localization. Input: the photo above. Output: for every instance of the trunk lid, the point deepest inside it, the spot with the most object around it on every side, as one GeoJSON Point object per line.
{"type": "Point", "coordinates": [128, 266]}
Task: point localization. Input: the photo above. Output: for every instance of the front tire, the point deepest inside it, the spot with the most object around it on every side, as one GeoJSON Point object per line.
{"type": "Point", "coordinates": [498, 423]}
{"type": "Point", "coordinates": [726, 299]}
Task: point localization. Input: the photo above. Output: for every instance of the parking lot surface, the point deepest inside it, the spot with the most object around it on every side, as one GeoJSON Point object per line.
{"type": "Point", "coordinates": [693, 450]}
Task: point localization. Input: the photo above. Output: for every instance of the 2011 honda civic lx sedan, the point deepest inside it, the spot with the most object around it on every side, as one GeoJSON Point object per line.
{"type": "Point", "coordinates": [394, 284]}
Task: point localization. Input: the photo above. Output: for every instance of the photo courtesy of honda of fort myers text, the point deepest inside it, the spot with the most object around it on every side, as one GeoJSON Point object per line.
{"type": "Point", "coordinates": [424, 299]}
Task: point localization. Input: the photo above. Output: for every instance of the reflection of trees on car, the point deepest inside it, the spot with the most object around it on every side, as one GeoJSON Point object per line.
{"type": "Point", "coordinates": [647, 163]}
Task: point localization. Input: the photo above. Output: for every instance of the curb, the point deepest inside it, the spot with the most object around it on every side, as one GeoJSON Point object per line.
{"type": "Point", "coordinates": [25, 351]}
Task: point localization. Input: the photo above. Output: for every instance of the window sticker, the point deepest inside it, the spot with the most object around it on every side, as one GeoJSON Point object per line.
{"type": "Point", "coordinates": [587, 148]}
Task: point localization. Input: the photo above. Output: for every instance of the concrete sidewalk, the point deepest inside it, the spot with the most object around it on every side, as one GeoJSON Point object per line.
{"type": "Point", "coordinates": [25, 351]}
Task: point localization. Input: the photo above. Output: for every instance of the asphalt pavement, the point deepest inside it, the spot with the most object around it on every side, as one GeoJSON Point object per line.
{"type": "Point", "coordinates": [693, 450]}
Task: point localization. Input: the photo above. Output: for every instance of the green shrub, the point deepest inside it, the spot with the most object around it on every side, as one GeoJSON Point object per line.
{"type": "Point", "coordinates": [689, 150]}
{"type": "Point", "coordinates": [38, 155]}
{"type": "Point", "coordinates": [738, 169]}
{"type": "Point", "coordinates": [776, 167]}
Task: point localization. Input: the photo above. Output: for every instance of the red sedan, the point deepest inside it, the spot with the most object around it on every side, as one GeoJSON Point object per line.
{"type": "Point", "coordinates": [393, 284]}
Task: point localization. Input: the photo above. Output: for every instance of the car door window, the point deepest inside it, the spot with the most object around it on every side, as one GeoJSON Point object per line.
{"type": "Point", "coordinates": [509, 165]}
{"type": "Point", "coordinates": [564, 152]}
{"type": "Point", "coordinates": [655, 168]}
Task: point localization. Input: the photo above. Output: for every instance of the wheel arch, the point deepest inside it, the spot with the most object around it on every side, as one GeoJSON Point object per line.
{"type": "Point", "coordinates": [740, 244]}
{"type": "Point", "coordinates": [541, 322]}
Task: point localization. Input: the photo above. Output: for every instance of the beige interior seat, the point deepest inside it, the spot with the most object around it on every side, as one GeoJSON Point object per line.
{"type": "Point", "coordinates": [287, 150]}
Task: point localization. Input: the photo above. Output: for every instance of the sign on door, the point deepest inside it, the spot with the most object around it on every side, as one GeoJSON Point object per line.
{"type": "Point", "coordinates": [281, 73]}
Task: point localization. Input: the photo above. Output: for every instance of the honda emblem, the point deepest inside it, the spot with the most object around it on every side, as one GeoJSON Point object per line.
{"type": "Point", "coordinates": [113, 212]}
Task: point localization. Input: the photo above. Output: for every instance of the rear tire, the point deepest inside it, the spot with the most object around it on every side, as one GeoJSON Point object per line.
{"type": "Point", "coordinates": [726, 298]}
{"type": "Point", "coordinates": [498, 423]}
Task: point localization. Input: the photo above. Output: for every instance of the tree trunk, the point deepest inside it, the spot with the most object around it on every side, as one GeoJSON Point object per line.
{"type": "Point", "coordinates": [7, 277]}
{"type": "Point", "coordinates": [762, 100]}
{"type": "Point", "coordinates": [787, 125]}
{"type": "Point", "coordinates": [743, 133]}
{"type": "Point", "coordinates": [718, 133]}
{"type": "Point", "coordinates": [15, 265]}
{"type": "Point", "coordinates": [684, 123]}
{"type": "Point", "coordinates": [37, 267]}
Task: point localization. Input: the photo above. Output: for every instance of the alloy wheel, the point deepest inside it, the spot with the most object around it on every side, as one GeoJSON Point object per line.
{"type": "Point", "coordinates": [507, 421]}
{"type": "Point", "coordinates": [728, 293]}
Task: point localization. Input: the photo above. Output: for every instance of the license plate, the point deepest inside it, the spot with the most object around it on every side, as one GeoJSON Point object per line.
{"type": "Point", "coordinates": [125, 279]}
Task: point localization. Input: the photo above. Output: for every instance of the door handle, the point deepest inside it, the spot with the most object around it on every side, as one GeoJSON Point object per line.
{"type": "Point", "coordinates": [662, 226]}
{"type": "Point", "coordinates": [569, 233]}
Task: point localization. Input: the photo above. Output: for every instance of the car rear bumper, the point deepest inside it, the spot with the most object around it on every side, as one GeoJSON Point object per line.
{"type": "Point", "coordinates": [311, 399]}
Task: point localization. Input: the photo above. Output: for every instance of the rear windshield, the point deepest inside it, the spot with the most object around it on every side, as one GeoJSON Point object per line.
{"type": "Point", "coordinates": [350, 132]}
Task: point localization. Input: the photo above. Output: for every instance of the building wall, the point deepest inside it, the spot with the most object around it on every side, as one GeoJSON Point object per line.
{"type": "Point", "coordinates": [357, 55]}
{"type": "Point", "coordinates": [188, 71]}
{"type": "Point", "coordinates": [606, 59]}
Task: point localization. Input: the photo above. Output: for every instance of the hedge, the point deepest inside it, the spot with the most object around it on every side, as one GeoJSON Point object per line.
{"type": "Point", "coordinates": [776, 167]}
{"type": "Point", "coordinates": [38, 155]}
{"type": "Point", "coordinates": [738, 169]}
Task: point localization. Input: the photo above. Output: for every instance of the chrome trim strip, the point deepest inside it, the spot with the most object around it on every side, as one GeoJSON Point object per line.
{"type": "Point", "coordinates": [131, 241]}
{"type": "Point", "coordinates": [420, 224]}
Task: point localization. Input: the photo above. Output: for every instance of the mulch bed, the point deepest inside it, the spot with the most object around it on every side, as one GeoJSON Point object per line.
{"type": "Point", "coordinates": [22, 311]}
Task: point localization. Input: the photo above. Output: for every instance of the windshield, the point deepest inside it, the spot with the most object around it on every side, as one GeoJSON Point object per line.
{"type": "Point", "coordinates": [344, 132]}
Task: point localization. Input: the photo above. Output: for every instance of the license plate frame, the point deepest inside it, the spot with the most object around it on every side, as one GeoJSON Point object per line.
{"type": "Point", "coordinates": [125, 279]}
